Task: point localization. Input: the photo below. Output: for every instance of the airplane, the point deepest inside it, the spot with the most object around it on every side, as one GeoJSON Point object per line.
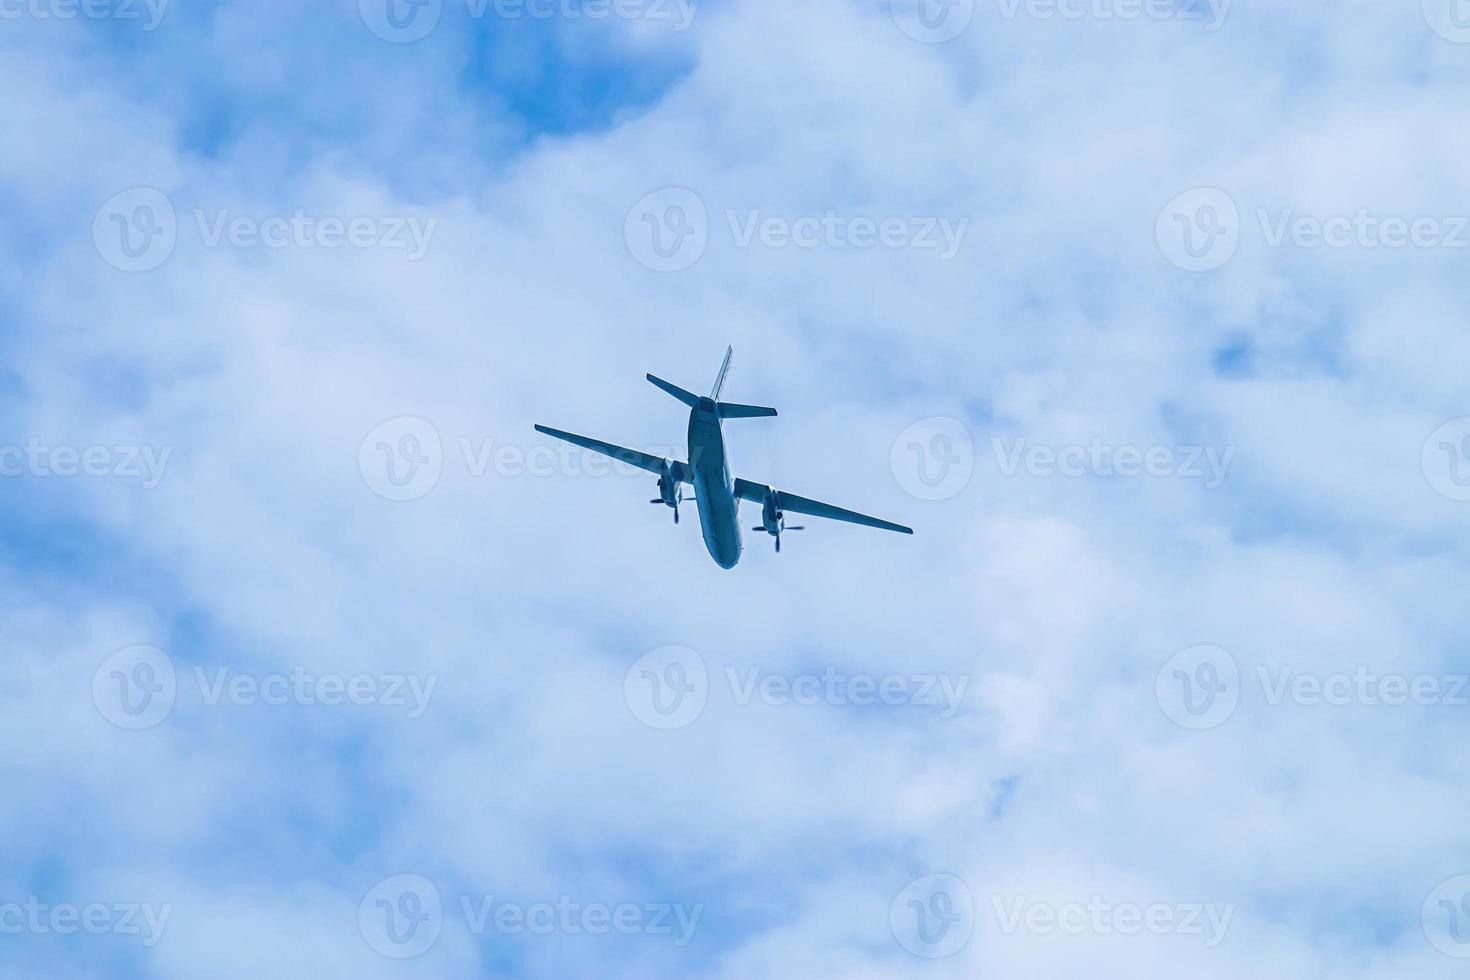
{"type": "Point", "coordinates": [717, 495]}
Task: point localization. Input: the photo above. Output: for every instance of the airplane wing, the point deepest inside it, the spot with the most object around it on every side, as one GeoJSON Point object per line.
{"type": "Point", "coordinates": [746, 490]}
{"type": "Point", "coordinates": [644, 461]}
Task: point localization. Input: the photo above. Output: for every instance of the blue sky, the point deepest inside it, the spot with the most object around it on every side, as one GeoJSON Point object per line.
{"type": "Point", "coordinates": [1147, 317]}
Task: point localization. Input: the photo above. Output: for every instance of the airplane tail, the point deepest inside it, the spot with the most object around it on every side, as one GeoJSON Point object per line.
{"type": "Point", "coordinates": [728, 410]}
{"type": "Point", "coordinates": [724, 370]}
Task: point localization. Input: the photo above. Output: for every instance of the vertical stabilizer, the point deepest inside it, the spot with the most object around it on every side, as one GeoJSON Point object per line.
{"type": "Point", "coordinates": [720, 378]}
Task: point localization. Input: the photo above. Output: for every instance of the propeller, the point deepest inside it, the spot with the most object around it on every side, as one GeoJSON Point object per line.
{"type": "Point", "coordinates": [777, 535]}
{"type": "Point", "coordinates": [660, 502]}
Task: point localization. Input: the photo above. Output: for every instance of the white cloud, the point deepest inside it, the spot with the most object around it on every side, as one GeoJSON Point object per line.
{"type": "Point", "coordinates": [527, 596]}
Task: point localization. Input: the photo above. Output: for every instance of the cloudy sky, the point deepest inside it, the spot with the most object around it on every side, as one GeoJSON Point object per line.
{"type": "Point", "coordinates": [1148, 315]}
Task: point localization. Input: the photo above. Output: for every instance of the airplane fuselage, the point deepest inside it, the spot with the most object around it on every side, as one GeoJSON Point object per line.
{"type": "Point", "coordinates": [714, 485]}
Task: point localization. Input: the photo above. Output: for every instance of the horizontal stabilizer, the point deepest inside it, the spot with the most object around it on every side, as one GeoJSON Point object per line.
{"type": "Point", "coordinates": [730, 410]}
{"type": "Point", "coordinates": [687, 397]}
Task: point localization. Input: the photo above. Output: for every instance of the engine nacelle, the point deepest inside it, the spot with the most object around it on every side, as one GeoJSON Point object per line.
{"type": "Point", "coordinates": [670, 489]}
{"type": "Point", "coordinates": [772, 520]}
